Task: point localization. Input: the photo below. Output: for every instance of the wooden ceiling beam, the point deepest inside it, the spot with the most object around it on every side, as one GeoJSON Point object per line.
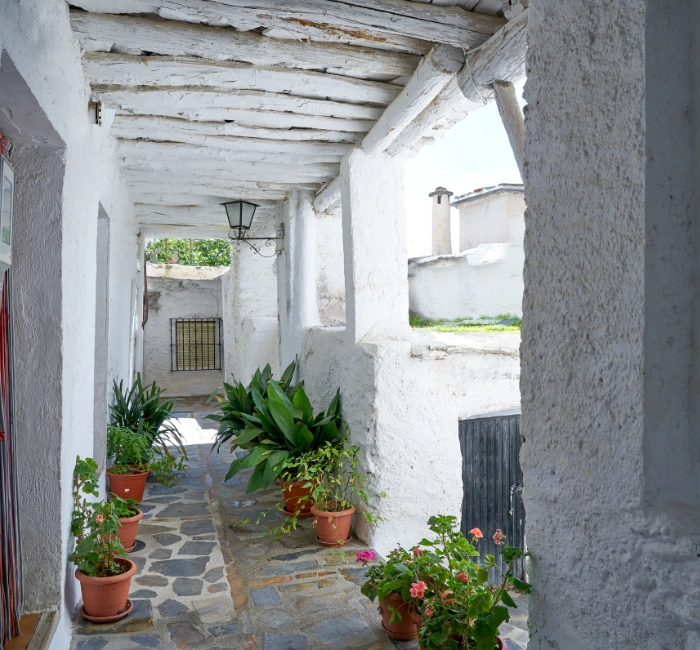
{"type": "Point", "coordinates": [221, 107]}
{"type": "Point", "coordinates": [383, 24]}
{"type": "Point", "coordinates": [501, 58]}
{"type": "Point", "coordinates": [241, 149]}
{"type": "Point", "coordinates": [138, 35]}
{"type": "Point", "coordinates": [129, 71]}
{"type": "Point", "coordinates": [218, 134]}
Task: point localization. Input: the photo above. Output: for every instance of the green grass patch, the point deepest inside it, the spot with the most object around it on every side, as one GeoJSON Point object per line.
{"type": "Point", "coordinates": [464, 324]}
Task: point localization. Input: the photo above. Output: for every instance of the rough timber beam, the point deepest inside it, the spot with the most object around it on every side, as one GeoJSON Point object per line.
{"type": "Point", "coordinates": [128, 71]}
{"type": "Point", "coordinates": [186, 214]}
{"type": "Point", "coordinates": [386, 24]}
{"type": "Point", "coordinates": [501, 58]}
{"type": "Point", "coordinates": [431, 75]}
{"type": "Point", "coordinates": [512, 117]}
{"type": "Point", "coordinates": [242, 149]}
{"type": "Point", "coordinates": [437, 68]}
{"type": "Point", "coordinates": [219, 107]}
{"type": "Point", "coordinates": [218, 134]}
{"type": "Point", "coordinates": [136, 35]}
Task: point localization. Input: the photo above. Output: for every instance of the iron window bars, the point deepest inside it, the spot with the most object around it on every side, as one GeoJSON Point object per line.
{"type": "Point", "coordinates": [195, 344]}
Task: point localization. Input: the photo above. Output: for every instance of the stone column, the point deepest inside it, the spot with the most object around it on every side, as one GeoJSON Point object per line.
{"type": "Point", "coordinates": [374, 243]}
{"type": "Point", "coordinates": [609, 349]}
{"type": "Point", "coordinates": [296, 275]}
{"type": "Point", "coordinates": [442, 231]}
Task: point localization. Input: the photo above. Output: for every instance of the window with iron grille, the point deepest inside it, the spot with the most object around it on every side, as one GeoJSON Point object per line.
{"type": "Point", "coordinates": [195, 344]}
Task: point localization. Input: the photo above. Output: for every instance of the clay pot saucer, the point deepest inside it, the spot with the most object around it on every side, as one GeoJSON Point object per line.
{"type": "Point", "coordinates": [301, 515]}
{"type": "Point", "coordinates": [108, 619]}
{"type": "Point", "coordinates": [333, 544]}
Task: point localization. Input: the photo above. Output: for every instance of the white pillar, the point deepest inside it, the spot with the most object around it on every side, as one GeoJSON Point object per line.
{"type": "Point", "coordinates": [296, 275]}
{"type": "Point", "coordinates": [374, 243]}
{"type": "Point", "coordinates": [442, 233]}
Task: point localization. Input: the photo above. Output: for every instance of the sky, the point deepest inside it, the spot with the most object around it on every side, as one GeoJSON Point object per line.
{"type": "Point", "coordinates": [472, 154]}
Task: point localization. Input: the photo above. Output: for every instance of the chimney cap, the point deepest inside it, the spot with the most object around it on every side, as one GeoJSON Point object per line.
{"type": "Point", "coordinates": [440, 191]}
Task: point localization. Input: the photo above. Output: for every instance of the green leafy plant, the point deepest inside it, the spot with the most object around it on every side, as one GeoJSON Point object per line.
{"type": "Point", "coordinates": [143, 410]}
{"type": "Point", "coordinates": [95, 525]}
{"type": "Point", "coordinates": [461, 608]}
{"type": "Point", "coordinates": [133, 454]}
{"type": "Point", "coordinates": [337, 478]}
{"type": "Point", "coordinates": [236, 400]}
{"type": "Point", "coordinates": [275, 423]}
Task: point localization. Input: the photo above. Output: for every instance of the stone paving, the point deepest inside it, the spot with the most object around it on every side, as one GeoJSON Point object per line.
{"type": "Point", "coordinates": [210, 577]}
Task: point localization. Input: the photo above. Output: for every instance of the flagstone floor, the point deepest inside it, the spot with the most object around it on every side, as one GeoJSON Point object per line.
{"type": "Point", "coordinates": [211, 578]}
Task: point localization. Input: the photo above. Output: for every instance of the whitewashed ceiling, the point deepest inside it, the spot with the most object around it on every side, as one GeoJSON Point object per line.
{"type": "Point", "coordinates": [225, 99]}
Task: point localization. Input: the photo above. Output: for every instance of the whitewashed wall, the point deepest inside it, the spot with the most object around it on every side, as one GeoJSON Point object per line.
{"type": "Point", "coordinates": [249, 304]}
{"type": "Point", "coordinates": [486, 278]}
{"type": "Point", "coordinates": [66, 169]}
{"type": "Point", "coordinates": [330, 283]}
{"type": "Point", "coordinates": [403, 401]}
{"type": "Point", "coordinates": [181, 297]}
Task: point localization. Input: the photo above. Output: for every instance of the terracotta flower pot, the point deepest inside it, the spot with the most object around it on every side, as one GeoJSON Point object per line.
{"type": "Point", "coordinates": [499, 643]}
{"type": "Point", "coordinates": [128, 486]}
{"type": "Point", "coordinates": [128, 528]}
{"type": "Point", "coordinates": [333, 527]}
{"type": "Point", "coordinates": [296, 496]}
{"type": "Point", "coordinates": [105, 598]}
{"type": "Point", "coordinates": [404, 629]}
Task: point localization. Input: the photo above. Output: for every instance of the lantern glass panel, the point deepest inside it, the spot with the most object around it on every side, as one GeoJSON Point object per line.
{"type": "Point", "coordinates": [247, 212]}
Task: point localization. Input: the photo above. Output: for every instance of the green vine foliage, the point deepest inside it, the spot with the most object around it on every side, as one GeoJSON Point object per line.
{"type": "Point", "coordinates": [192, 252]}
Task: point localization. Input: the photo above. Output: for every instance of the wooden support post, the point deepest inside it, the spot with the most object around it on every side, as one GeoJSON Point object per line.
{"type": "Point", "coordinates": [512, 117]}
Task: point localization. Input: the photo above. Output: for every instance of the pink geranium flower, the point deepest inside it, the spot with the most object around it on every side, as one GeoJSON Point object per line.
{"type": "Point", "coordinates": [476, 533]}
{"type": "Point", "coordinates": [365, 556]}
{"type": "Point", "coordinates": [418, 589]}
{"type": "Point", "coordinates": [463, 577]}
{"type": "Point", "coordinates": [100, 519]}
{"type": "Point", "coordinates": [498, 536]}
{"type": "Point", "coordinates": [428, 611]}
{"type": "Point", "coordinates": [417, 552]}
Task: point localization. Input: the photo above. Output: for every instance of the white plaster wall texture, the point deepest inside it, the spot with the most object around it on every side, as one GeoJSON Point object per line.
{"type": "Point", "coordinates": [403, 403]}
{"type": "Point", "coordinates": [36, 37]}
{"type": "Point", "coordinates": [487, 219]}
{"type": "Point", "coordinates": [178, 299]}
{"type": "Point", "coordinates": [250, 314]}
{"type": "Point", "coordinates": [607, 327]}
{"type": "Point", "coordinates": [374, 241]}
{"type": "Point", "coordinates": [330, 280]}
{"type": "Point", "coordinates": [485, 281]}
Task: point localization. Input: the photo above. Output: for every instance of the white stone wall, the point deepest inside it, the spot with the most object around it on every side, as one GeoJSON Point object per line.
{"type": "Point", "coordinates": [484, 281]}
{"type": "Point", "coordinates": [66, 168]}
{"type": "Point", "coordinates": [609, 398]}
{"type": "Point", "coordinates": [249, 307]}
{"type": "Point", "coordinates": [403, 401]}
{"type": "Point", "coordinates": [491, 219]}
{"type": "Point", "coordinates": [330, 280]}
{"type": "Point", "coordinates": [170, 298]}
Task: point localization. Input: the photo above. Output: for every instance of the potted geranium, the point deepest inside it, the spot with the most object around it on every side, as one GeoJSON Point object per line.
{"type": "Point", "coordinates": [338, 480]}
{"type": "Point", "coordinates": [460, 607]}
{"type": "Point", "coordinates": [102, 570]}
{"type": "Point", "coordinates": [134, 459]}
{"type": "Point", "coordinates": [394, 582]}
{"type": "Point", "coordinates": [85, 482]}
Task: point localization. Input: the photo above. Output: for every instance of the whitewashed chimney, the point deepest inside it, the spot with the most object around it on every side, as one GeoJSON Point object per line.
{"type": "Point", "coordinates": [442, 235]}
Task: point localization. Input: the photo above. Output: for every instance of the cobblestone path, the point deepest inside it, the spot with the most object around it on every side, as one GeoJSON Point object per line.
{"type": "Point", "coordinates": [210, 578]}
